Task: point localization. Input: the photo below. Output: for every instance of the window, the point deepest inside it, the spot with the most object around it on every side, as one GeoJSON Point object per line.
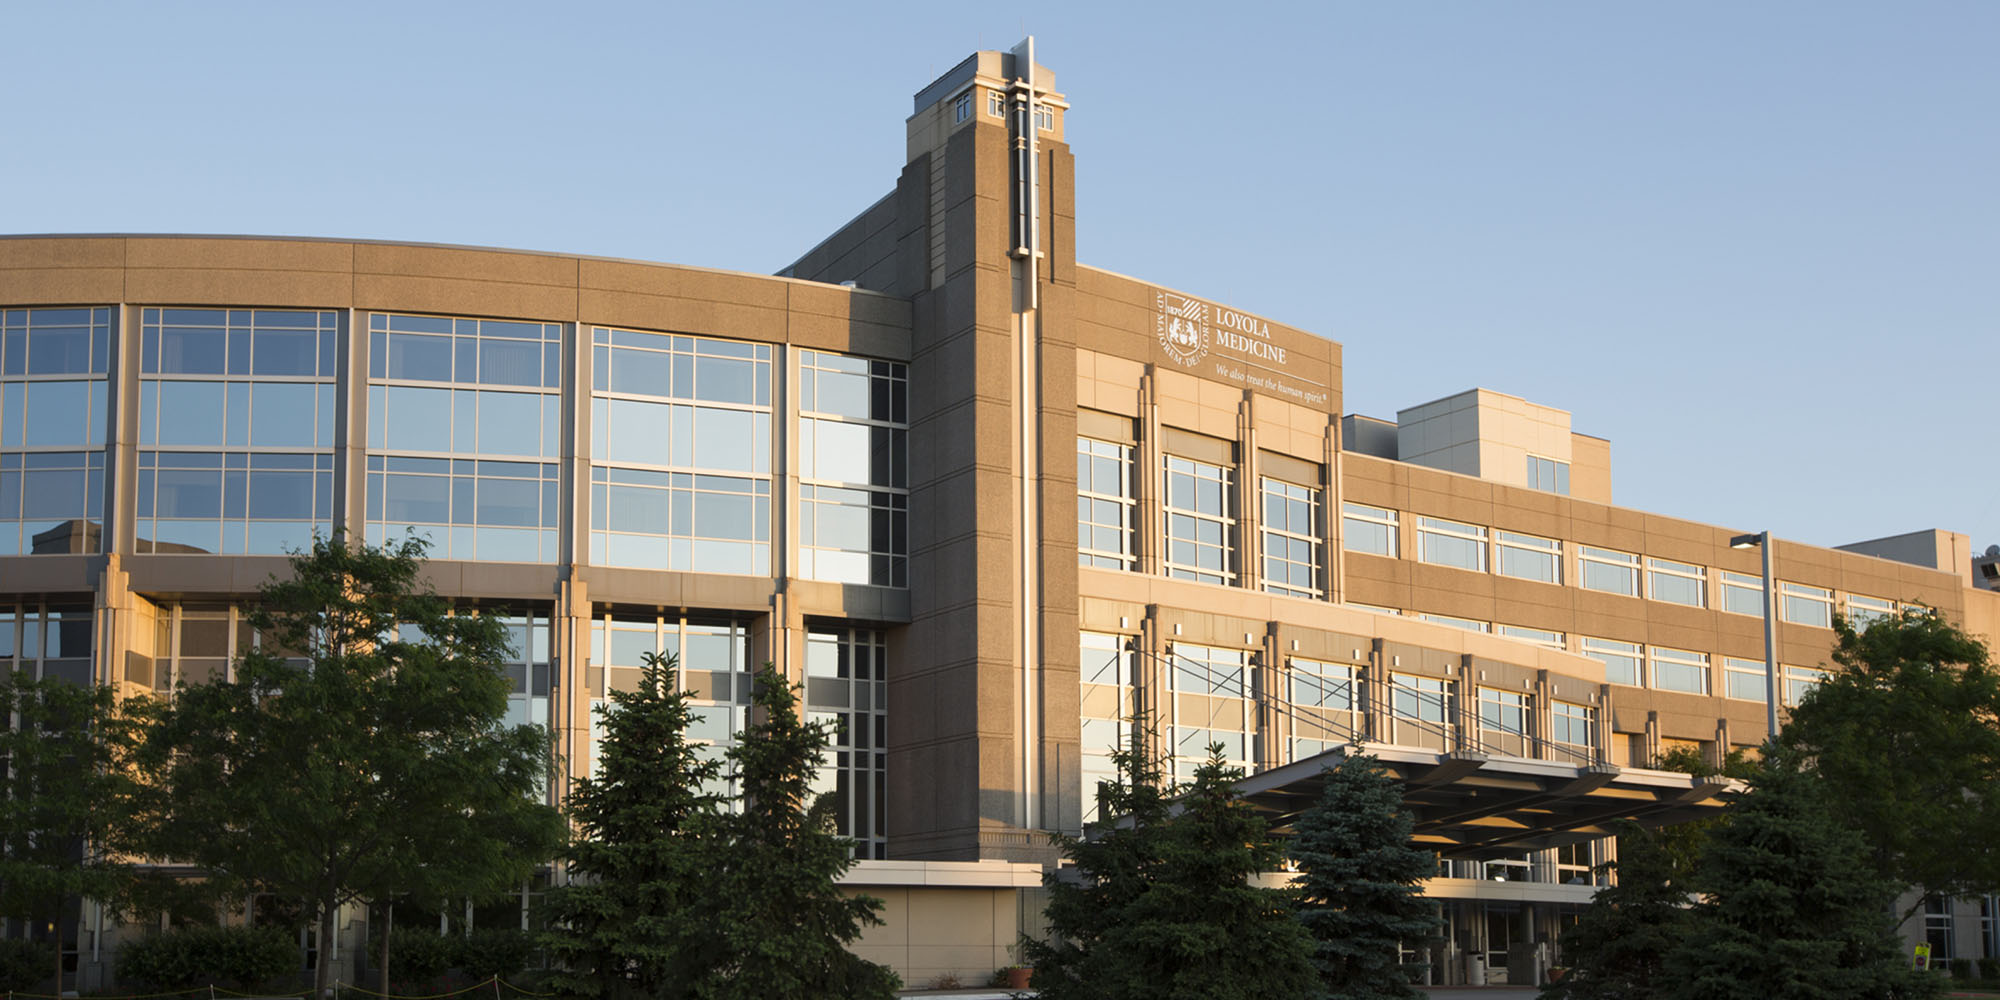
{"type": "Point", "coordinates": [1323, 698]}
{"type": "Point", "coordinates": [1104, 504]}
{"type": "Point", "coordinates": [1805, 605]}
{"type": "Point", "coordinates": [847, 685]}
{"type": "Point", "coordinates": [1620, 659]}
{"type": "Point", "coordinates": [1316, 684]}
{"type": "Point", "coordinates": [1467, 624]}
{"type": "Point", "coordinates": [1105, 666]}
{"type": "Point", "coordinates": [996, 103]}
{"type": "Point", "coordinates": [853, 469]}
{"type": "Point", "coordinates": [1743, 679]}
{"type": "Point", "coordinates": [1368, 529]}
{"type": "Point", "coordinates": [1291, 539]}
{"type": "Point", "coordinates": [1939, 929]}
{"type": "Point", "coordinates": [1799, 681]}
{"type": "Point", "coordinates": [1680, 670]}
{"type": "Point", "coordinates": [713, 661]}
{"type": "Point", "coordinates": [1742, 593]}
{"type": "Point", "coordinates": [1503, 713]}
{"type": "Point", "coordinates": [961, 108]}
{"type": "Point", "coordinates": [1419, 698]}
{"type": "Point", "coordinates": [1538, 636]}
{"type": "Point", "coordinates": [236, 429]}
{"type": "Point", "coordinates": [1224, 718]}
{"type": "Point", "coordinates": [681, 455]}
{"type": "Point", "coordinates": [1574, 865]}
{"type": "Point", "coordinates": [50, 641]}
{"type": "Point", "coordinates": [1548, 475]}
{"type": "Point", "coordinates": [1450, 543]}
{"type": "Point", "coordinates": [1045, 117]}
{"type": "Point", "coordinates": [53, 402]}
{"type": "Point", "coordinates": [1676, 583]}
{"type": "Point", "coordinates": [1529, 557]}
{"type": "Point", "coordinates": [1607, 570]}
{"type": "Point", "coordinates": [1200, 521]}
{"type": "Point", "coordinates": [1865, 611]}
{"type": "Point", "coordinates": [1573, 727]}
{"type": "Point", "coordinates": [1208, 670]}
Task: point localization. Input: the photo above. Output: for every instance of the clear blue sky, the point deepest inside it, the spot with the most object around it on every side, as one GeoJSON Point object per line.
{"type": "Point", "coordinates": [1757, 246]}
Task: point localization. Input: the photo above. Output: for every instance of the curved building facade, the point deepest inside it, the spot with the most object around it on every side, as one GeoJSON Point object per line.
{"type": "Point", "coordinates": [983, 501]}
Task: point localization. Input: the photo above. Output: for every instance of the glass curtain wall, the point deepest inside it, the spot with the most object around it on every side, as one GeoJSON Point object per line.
{"type": "Point", "coordinates": [53, 400]}
{"type": "Point", "coordinates": [853, 470]}
{"type": "Point", "coordinates": [236, 420]}
{"type": "Point", "coordinates": [847, 685]}
{"type": "Point", "coordinates": [464, 435]}
{"type": "Point", "coordinates": [680, 453]}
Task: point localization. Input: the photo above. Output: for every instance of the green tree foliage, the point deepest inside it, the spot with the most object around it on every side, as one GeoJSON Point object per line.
{"type": "Point", "coordinates": [1683, 842]}
{"type": "Point", "coordinates": [1359, 883]}
{"type": "Point", "coordinates": [25, 965]}
{"type": "Point", "coordinates": [780, 922]}
{"type": "Point", "coordinates": [1618, 950]}
{"type": "Point", "coordinates": [61, 794]}
{"type": "Point", "coordinates": [1790, 908]}
{"type": "Point", "coordinates": [646, 846]}
{"type": "Point", "coordinates": [1162, 904]}
{"type": "Point", "coordinates": [359, 751]}
{"type": "Point", "coordinates": [237, 958]}
{"type": "Point", "coordinates": [1906, 735]}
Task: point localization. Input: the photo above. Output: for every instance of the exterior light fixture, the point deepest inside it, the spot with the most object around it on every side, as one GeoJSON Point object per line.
{"type": "Point", "coordinates": [1762, 540]}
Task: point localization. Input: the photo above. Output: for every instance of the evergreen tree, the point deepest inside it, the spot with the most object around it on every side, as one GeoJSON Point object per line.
{"type": "Point", "coordinates": [630, 923]}
{"type": "Point", "coordinates": [1791, 909]}
{"type": "Point", "coordinates": [1618, 951]}
{"type": "Point", "coordinates": [1114, 864]}
{"type": "Point", "coordinates": [781, 922]}
{"type": "Point", "coordinates": [1359, 883]}
{"type": "Point", "coordinates": [1166, 906]}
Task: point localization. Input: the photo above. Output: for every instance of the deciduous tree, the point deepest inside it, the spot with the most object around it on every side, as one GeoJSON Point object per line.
{"type": "Point", "coordinates": [61, 794]}
{"type": "Point", "coordinates": [1906, 736]}
{"type": "Point", "coordinates": [359, 751]}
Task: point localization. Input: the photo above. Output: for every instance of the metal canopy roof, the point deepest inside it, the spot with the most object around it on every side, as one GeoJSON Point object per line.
{"type": "Point", "coordinates": [1477, 807]}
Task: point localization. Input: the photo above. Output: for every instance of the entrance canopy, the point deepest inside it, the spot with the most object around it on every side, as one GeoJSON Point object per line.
{"type": "Point", "coordinates": [1476, 807]}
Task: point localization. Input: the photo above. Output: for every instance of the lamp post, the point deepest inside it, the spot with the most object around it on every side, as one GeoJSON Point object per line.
{"type": "Point", "coordinates": [1762, 540]}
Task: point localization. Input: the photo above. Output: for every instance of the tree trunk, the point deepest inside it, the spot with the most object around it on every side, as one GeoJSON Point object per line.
{"type": "Point", "coordinates": [388, 926]}
{"type": "Point", "coordinates": [322, 967]}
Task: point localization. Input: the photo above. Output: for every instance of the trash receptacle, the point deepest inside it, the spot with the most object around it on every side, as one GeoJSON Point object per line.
{"type": "Point", "coordinates": [1475, 970]}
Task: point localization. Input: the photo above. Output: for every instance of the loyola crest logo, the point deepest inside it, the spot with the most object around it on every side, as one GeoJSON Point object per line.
{"type": "Point", "coordinates": [1183, 328]}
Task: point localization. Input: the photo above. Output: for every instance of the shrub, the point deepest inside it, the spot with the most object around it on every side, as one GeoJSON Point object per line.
{"type": "Point", "coordinates": [1989, 968]}
{"type": "Point", "coordinates": [418, 956]}
{"type": "Point", "coordinates": [239, 958]}
{"type": "Point", "coordinates": [494, 951]}
{"type": "Point", "coordinates": [1961, 968]}
{"type": "Point", "coordinates": [24, 964]}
